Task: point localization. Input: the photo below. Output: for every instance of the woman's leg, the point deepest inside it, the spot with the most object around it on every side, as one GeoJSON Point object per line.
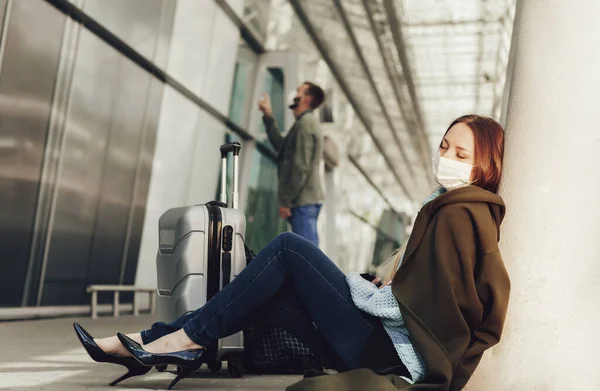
{"type": "Point", "coordinates": [159, 329]}
{"type": "Point", "coordinates": [285, 310]}
{"type": "Point", "coordinates": [294, 262]}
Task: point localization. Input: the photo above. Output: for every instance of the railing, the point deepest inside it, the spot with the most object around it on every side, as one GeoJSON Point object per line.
{"type": "Point", "coordinates": [117, 289]}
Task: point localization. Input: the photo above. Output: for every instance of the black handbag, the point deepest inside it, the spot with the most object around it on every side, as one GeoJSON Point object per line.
{"type": "Point", "coordinates": [272, 349]}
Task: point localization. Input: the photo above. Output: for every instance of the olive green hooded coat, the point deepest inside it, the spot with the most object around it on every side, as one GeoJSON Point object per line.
{"type": "Point", "coordinates": [452, 289]}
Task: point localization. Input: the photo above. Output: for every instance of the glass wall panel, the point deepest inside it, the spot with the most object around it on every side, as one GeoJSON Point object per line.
{"type": "Point", "coordinates": [262, 206]}
{"type": "Point", "coordinates": [242, 88]}
{"type": "Point", "coordinates": [390, 236]}
{"type": "Point", "coordinates": [273, 85]}
{"type": "Point", "coordinates": [367, 230]}
{"type": "Point", "coordinates": [262, 210]}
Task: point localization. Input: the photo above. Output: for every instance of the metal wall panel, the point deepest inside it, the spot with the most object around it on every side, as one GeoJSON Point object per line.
{"type": "Point", "coordinates": [52, 154]}
{"type": "Point", "coordinates": [107, 155]}
{"type": "Point", "coordinates": [30, 47]}
{"type": "Point", "coordinates": [97, 172]}
{"type": "Point", "coordinates": [134, 21]}
{"type": "Point", "coordinates": [80, 172]}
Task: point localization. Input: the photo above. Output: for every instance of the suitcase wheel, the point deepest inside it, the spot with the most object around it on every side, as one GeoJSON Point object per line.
{"type": "Point", "coordinates": [215, 366]}
{"type": "Point", "coordinates": [235, 368]}
{"type": "Point", "coordinates": [161, 368]}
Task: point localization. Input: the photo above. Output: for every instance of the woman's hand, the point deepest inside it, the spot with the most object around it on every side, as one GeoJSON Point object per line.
{"type": "Point", "coordinates": [379, 284]}
{"type": "Point", "coordinates": [374, 280]}
{"type": "Point", "coordinates": [388, 282]}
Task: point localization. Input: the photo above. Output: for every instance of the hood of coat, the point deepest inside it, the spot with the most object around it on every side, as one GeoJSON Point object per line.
{"type": "Point", "coordinates": [468, 194]}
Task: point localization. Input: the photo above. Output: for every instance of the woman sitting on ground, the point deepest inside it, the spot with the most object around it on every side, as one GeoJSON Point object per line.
{"type": "Point", "coordinates": [442, 306]}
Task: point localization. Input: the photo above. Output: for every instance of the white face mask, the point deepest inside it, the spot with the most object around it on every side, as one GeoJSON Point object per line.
{"type": "Point", "coordinates": [450, 173]}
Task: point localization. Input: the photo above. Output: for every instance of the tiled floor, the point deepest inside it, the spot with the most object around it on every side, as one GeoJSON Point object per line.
{"type": "Point", "coordinates": [46, 355]}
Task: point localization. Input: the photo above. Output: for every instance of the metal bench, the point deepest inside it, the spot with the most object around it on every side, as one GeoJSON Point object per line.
{"type": "Point", "coordinates": [117, 289]}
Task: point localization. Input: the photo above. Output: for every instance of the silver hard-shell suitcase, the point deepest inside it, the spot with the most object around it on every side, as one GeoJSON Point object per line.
{"type": "Point", "coordinates": [201, 249]}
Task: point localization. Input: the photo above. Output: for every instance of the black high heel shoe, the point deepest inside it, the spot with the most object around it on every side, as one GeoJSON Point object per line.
{"type": "Point", "coordinates": [99, 355]}
{"type": "Point", "coordinates": [187, 361]}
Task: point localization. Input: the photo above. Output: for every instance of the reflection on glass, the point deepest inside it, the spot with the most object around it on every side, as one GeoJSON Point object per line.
{"type": "Point", "coordinates": [273, 85]}
{"type": "Point", "coordinates": [394, 228]}
{"type": "Point", "coordinates": [239, 92]}
{"type": "Point", "coordinates": [262, 207]}
{"type": "Point", "coordinates": [262, 210]}
{"type": "Point", "coordinates": [361, 246]}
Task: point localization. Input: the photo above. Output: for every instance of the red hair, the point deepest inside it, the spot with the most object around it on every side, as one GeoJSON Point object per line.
{"type": "Point", "coordinates": [489, 150]}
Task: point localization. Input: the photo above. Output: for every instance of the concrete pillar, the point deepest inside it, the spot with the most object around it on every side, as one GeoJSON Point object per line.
{"type": "Point", "coordinates": [551, 236]}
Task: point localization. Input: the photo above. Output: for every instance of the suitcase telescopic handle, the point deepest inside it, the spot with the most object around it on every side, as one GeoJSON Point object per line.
{"type": "Point", "coordinates": [226, 149]}
{"type": "Point", "coordinates": [234, 147]}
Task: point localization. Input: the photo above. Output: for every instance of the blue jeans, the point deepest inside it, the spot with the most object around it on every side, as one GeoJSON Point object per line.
{"type": "Point", "coordinates": [294, 285]}
{"type": "Point", "coordinates": [304, 222]}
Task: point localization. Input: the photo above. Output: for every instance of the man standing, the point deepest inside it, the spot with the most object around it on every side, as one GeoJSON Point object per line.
{"type": "Point", "coordinates": [301, 194]}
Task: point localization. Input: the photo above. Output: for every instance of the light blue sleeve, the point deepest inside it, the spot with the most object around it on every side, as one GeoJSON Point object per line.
{"type": "Point", "coordinates": [372, 300]}
{"type": "Point", "coordinates": [436, 193]}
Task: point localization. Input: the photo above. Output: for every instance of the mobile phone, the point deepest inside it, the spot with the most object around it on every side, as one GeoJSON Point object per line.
{"type": "Point", "coordinates": [370, 277]}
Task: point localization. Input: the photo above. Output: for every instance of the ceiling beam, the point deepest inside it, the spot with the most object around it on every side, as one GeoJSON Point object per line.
{"type": "Point", "coordinates": [248, 33]}
{"type": "Point", "coordinates": [410, 129]}
{"type": "Point", "coordinates": [396, 30]}
{"type": "Point", "coordinates": [367, 72]}
{"type": "Point", "coordinates": [442, 23]}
